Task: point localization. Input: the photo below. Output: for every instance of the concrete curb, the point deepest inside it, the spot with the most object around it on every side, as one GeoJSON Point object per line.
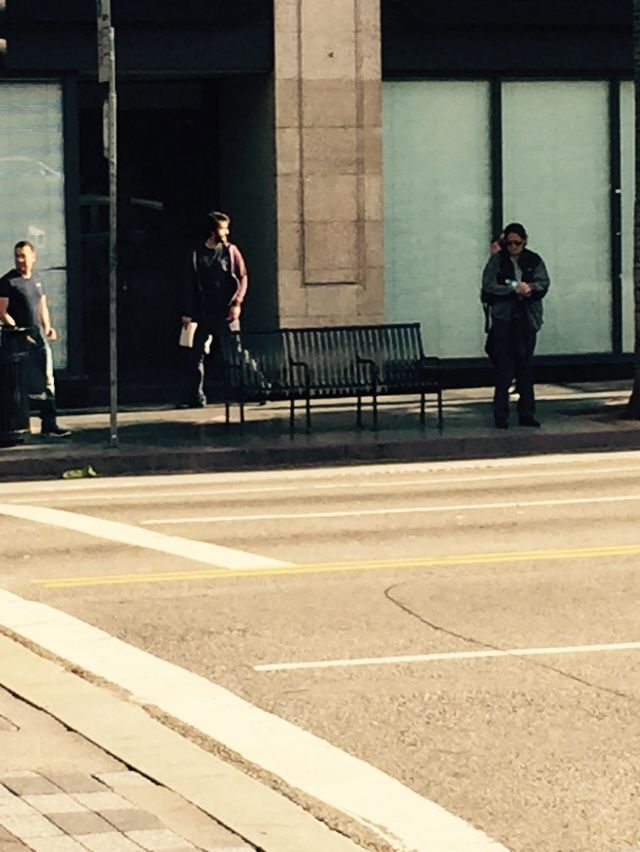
{"type": "Point", "coordinates": [17, 465]}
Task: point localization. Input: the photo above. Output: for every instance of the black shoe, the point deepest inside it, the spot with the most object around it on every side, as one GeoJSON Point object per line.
{"type": "Point", "coordinates": [502, 424]}
{"type": "Point", "coordinates": [530, 421]}
{"type": "Point", "coordinates": [55, 432]}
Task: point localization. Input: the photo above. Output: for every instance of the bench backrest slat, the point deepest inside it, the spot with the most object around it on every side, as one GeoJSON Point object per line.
{"type": "Point", "coordinates": [394, 348]}
{"type": "Point", "coordinates": [330, 354]}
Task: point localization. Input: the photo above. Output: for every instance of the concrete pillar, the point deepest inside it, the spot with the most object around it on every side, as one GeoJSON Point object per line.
{"type": "Point", "coordinates": [328, 161]}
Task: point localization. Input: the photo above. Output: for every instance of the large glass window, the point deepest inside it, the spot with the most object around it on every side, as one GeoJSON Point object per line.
{"type": "Point", "coordinates": [32, 188]}
{"type": "Point", "coordinates": [556, 182]}
{"type": "Point", "coordinates": [437, 209]}
{"type": "Point", "coordinates": [627, 121]}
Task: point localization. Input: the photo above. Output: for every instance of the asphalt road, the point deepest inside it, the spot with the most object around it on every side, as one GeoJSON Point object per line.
{"type": "Point", "coordinates": [373, 606]}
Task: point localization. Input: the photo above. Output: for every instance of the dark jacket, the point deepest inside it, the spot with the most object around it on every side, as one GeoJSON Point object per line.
{"type": "Point", "coordinates": [498, 293]}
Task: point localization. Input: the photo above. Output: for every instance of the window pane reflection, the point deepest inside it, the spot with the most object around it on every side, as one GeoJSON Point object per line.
{"type": "Point", "coordinates": [32, 188]}
{"type": "Point", "coordinates": [627, 121]}
{"type": "Point", "coordinates": [556, 182]}
{"type": "Point", "coordinates": [437, 210]}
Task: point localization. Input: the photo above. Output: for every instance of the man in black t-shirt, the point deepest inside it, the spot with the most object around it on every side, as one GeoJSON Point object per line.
{"type": "Point", "coordinates": [215, 287]}
{"type": "Point", "coordinates": [23, 304]}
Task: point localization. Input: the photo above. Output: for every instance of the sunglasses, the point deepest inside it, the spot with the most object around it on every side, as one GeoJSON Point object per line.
{"type": "Point", "coordinates": [514, 242]}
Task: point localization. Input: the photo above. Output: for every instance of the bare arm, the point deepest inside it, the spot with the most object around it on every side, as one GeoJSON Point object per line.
{"type": "Point", "coordinates": [5, 316]}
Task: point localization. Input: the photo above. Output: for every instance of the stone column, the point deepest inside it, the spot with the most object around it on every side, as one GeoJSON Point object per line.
{"type": "Point", "coordinates": [329, 161]}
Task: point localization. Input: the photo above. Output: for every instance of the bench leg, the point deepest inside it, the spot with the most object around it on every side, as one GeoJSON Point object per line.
{"type": "Point", "coordinates": [227, 415]}
{"type": "Point", "coordinates": [375, 411]}
{"type": "Point", "coordinates": [423, 417]}
{"type": "Point", "coordinates": [359, 413]}
{"type": "Point", "coordinates": [440, 417]}
{"type": "Point", "coordinates": [308, 414]}
{"type": "Point", "coordinates": [242, 416]}
{"type": "Point", "coordinates": [292, 417]}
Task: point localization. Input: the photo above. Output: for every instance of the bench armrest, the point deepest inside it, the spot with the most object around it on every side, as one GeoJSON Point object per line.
{"type": "Point", "coordinates": [303, 366]}
{"type": "Point", "coordinates": [374, 370]}
{"type": "Point", "coordinates": [430, 361]}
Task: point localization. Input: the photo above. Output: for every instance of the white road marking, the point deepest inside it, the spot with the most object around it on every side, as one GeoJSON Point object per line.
{"type": "Point", "coordinates": [406, 820]}
{"type": "Point", "coordinates": [408, 510]}
{"type": "Point", "coordinates": [196, 551]}
{"type": "Point", "coordinates": [490, 477]}
{"type": "Point", "coordinates": [180, 494]}
{"type": "Point", "coordinates": [450, 655]}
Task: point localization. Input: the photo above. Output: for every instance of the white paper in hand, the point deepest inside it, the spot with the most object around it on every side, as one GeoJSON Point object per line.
{"type": "Point", "coordinates": [186, 335]}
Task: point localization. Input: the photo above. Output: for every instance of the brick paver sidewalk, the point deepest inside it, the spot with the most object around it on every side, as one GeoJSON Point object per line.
{"type": "Point", "coordinates": [107, 812]}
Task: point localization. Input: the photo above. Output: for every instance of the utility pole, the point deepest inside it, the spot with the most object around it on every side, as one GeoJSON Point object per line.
{"type": "Point", "coordinates": [107, 74]}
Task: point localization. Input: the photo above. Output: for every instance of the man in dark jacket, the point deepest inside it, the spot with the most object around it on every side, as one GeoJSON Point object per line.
{"type": "Point", "coordinates": [215, 287]}
{"type": "Point", "coordinates": [514, 282]}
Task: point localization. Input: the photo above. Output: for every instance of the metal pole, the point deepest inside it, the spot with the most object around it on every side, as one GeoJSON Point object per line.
{"type": "Point", "coordinates": [107, 74]}
{"type": "Point", "coordinates": [113, 247]}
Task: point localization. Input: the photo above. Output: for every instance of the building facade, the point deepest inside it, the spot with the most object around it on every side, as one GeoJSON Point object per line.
{"type": "Point", "coordinates": [498, 111]}
{"type": "Point", "coordinates": [367, 150]}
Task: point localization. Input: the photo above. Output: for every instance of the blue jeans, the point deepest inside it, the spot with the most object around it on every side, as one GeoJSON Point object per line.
{"type": "Point", "coordinates": [42, 383]}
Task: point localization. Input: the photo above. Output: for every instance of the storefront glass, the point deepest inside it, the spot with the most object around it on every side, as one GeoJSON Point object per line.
{"type": "Point", "coordinates": [556, 182]}
{"type": "Point", "coordinates": [437, 209]}
{"type": "Point", "coordinates": [627, 120]}
{"type": "Point", "coordinates": [32, 188]}
{"type": "Point", "coordinates": [555, 158]}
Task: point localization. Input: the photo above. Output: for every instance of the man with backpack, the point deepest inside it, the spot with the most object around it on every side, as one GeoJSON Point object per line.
{"type": "Point", "coordinates": [215, 287]}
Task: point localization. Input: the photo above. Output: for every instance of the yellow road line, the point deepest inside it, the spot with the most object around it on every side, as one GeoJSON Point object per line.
{"type": "Point", "coordinates": [326, 567]}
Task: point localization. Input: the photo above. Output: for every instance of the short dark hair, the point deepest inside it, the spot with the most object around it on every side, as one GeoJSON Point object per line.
{"type": "Point", "coordinates": [215, 217]}
{"type": "Point", "coordinates": [516, 228]}
{"type": "Point", "coordinates": [24, 244]}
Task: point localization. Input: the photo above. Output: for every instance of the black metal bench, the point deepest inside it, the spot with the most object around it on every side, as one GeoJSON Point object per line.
{"type": "Point", "coordinates": [256, 369]}
{"type": "Point", "coordinates": [327, 363]}
{"type": "Point", "coordinates": [394, 358]}
{"type": "Point", "coordinates": [324, 365]}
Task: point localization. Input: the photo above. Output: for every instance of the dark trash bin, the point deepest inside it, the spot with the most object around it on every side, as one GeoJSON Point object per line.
{"type": "Point", "coordinates": [14, 385]}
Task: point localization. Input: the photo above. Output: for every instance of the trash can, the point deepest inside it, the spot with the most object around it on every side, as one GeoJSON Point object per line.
{"type": "Point", "coordinates": [14, 385]}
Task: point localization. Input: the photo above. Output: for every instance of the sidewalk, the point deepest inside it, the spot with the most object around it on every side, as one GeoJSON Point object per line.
{"type": "Point", "coordinates": [577, 417]}
{"type": "Point", "coordinates": [86, 767]}
{"type": "Point", "coordinates": [60, 793]}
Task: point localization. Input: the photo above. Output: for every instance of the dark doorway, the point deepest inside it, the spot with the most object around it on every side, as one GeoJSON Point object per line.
{"type": "Point", "coordinates": [167, 179]}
